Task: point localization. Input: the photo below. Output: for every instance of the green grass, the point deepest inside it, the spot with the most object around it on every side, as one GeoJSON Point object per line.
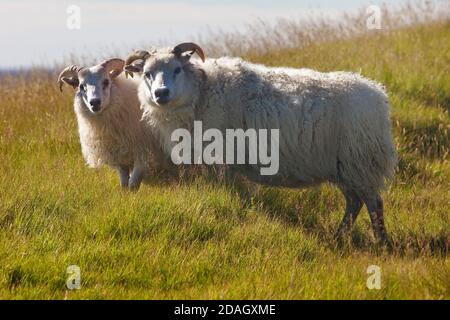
{"type": "Point", "coordinates": [202, 239]}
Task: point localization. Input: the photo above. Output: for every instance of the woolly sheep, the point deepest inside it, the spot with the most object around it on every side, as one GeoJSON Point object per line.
{"type": "Point", "coordinates": [333, 127]}
{"type": "Point", "coordinates": [109, 121]}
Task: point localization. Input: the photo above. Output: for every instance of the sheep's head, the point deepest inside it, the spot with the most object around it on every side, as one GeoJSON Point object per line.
{"type": "Point", "coordinates": [93, 84]}
{"type": "Point", "coordinates": [166, 80]}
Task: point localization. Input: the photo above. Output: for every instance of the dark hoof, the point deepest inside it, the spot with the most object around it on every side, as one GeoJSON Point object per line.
{"type": "Point", "coordinates": [343, 238]}
{"type": "Point", "coordinates": [134, 188]}
{"type": "Point", "coordinates": [385, 244]}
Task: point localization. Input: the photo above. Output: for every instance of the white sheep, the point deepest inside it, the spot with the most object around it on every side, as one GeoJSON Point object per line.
{"type": "Point", "coordinates": [333, 127]}
{"type": "Point", "coordinates": [109, 121]}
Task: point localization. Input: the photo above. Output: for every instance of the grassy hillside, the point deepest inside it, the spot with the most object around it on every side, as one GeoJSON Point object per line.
{"type": "Point", "coordinates": [202, 239]}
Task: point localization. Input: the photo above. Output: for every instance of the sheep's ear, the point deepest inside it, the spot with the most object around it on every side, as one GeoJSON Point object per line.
{"type": "Point", "coordinates": [185, 57]}
{"type": "Point", "coordinates": [115, 73]}
{"type": "Point", "coordinates": [132, 68]}
{"type": "Point", "coordinates": [114, 66]}
{"type": "Point", "coordinates": [73, 82]}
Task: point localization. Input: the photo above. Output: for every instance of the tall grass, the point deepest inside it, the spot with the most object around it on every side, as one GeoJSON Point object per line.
{"type": "Point", "coordinates": [203, 239]}
{"type": "Point", "coordinates": [263, 37]}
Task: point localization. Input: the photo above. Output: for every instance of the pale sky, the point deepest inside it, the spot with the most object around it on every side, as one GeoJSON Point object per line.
{"type": "Point", "coordinates": [34, 32]}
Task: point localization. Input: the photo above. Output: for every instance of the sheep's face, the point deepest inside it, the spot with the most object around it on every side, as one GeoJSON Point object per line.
{"type": "Point", "coordinates": [94, 88]}
{"type": "Point", "coordinates": [165, 82]}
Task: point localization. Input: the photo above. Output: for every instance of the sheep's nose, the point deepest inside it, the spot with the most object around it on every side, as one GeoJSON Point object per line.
{"type": "Point", "coordinates": [162, 93]}
{"type": "Point", "coordinates": [95, 103]}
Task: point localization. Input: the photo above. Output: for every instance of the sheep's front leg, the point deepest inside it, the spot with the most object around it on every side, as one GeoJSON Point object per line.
{"type": "Point", "coordinates": [124, 175]}
{"type": "Point", "coordinates": [136, 177]}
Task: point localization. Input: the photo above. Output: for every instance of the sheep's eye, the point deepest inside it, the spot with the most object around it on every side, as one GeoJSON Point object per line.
{"type": "Point", "coordinates": [105, 83]}
{"type": "Point", "coordinates": [177, 70]}
{"type": "Point", "coordinates": [82, 87]}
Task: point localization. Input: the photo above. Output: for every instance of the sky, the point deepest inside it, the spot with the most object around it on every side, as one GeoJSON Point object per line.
{"type": "Point", "coordinates": [36, 32]}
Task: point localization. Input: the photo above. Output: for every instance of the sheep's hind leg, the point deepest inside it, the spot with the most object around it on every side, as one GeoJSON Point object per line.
{"type": "Point", "coordinates": [375, 208]}
{"type": "Point", "coordinates": [124, 175]}
{"type": "Point", "coordinates": [136, 178]}
{"type": "Point", "coordinates": [353, 205]}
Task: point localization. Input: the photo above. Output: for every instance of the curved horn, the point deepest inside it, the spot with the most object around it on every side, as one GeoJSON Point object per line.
{"type": "Point", "coordinates": [69, 74]}
{"type": "Point", "coordinates": [189, 46]}
{"type": "Point", "coordinates": [136, 55]}
{"type": "Point", "coordinates": [113, 66]}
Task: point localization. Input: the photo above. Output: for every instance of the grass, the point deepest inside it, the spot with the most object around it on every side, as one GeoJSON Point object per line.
{"type": "Point", "coordinates": [201, 239]}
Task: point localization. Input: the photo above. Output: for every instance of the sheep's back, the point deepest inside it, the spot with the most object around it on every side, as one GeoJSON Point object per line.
{"type": "Point", "coordinates": [322, 117]}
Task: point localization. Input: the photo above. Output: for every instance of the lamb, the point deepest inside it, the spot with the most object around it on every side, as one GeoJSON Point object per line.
{"type": "Point", "coordinates": [333, 127]}
{"type": "Point", "coordinates": [109, 121]}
